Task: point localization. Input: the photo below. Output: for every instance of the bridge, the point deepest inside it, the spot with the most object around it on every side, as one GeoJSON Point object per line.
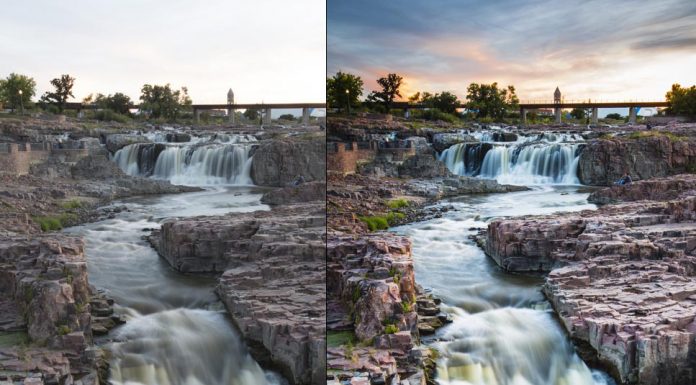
{"type": "Point", "coordinates": [229, 107]}
{"type": "Point", "coordinates": [558, 105]}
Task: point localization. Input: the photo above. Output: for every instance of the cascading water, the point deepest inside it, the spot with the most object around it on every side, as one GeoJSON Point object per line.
{"type": "Point", "coordinates": [219, 160]}
{"type": "Point", "coordinates": [176, 331]}
{"type": "Point", "coordinates": [542, 159]}
{"type": "Point", "coordinates": [503, 331]}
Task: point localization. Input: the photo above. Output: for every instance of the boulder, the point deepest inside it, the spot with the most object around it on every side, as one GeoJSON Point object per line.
{"type": "Point", "coordinates": [445, 140]}
{"type": "Point", "coordinates": [305, 192]}
{"type": "Point", "coordinates": [115, 142]}
{"type": "Point", "coordinates": [278, 163]}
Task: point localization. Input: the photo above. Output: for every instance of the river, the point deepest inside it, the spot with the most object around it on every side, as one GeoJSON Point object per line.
{"type": "Point", "coordinates": [177, 331]}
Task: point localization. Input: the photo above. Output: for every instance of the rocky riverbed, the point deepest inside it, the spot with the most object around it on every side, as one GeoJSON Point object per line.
{"type": "Point", "coordinates": [621, 278]}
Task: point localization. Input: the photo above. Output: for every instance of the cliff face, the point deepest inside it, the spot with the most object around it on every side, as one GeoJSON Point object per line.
{"type": "Point", "coordinates": [273, 282]}
{"type": "Point", "coordinates": [278, 162]}
{"type": "Point", "coordinates": [622, 279]}
{"type": "Point", "coordinates": [603, 161]}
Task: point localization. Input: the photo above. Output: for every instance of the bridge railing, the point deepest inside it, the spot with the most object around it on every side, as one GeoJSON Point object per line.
{"type": "Point", "coordinates": [580, 101]}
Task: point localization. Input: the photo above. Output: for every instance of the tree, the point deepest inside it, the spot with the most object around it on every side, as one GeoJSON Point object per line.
{"type": "Point", "coordinates": [117, 102]}
{"type": "Point", "coordinates": [682, 101]}
{"type": "Point", "coordinates": [162, 101]}
{"type": "Point", "coordinates": [390, 90]}
{"type": "Point", "coordinates": [487, 100]}
{"type": "Point", "coordinates": [286, 117]}
{"type": "Point", "coordinates": [10, 88]}
{"type": "Point", "coordinates": [337, 86]}
{"type": "Point", "coordinates": [445, 101]}
{"type": "Point", "coordinates": [614, 116]}
{"type": "Point", "coordinates": [251, 114]}
{"type": "Point", "coordinates": [63, 86]}
{"type": "Point", "coordinates": [578, 113]}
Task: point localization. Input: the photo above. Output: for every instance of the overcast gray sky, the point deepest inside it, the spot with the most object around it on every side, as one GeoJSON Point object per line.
{"type": "Point", "coordinates": [597, 49]}
{"type": "Point", "coordinates": [265, 50]}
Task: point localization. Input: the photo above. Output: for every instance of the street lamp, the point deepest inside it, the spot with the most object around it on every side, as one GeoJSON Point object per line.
{"type": "Point", "coordinates": [348, 100]}
{"type": "Point", "coordinates": [21, 103]}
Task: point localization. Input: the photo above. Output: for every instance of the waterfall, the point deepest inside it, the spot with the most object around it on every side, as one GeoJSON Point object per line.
{"type": "Point", "coordinates": [543, 159]}
{"type": "Point", "coordinates": [189, 164]}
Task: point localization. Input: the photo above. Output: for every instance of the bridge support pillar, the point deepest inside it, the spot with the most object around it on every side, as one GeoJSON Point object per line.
{"type": "Point", "coordinates": [197, 115]}
{"type": "Point", "coordinates": [407, 113]}
{"type": "Point", "coordinates": [523, 114]}
{"type": "Point", "coordinates": [267, 116]}
{"type": "Point", "coordinates": [632, 115]}
{"type": "Point", "coordinates": [305, 116]}
{"type": "Point", "coordinates": [557, 113]}
{"type": "Point", "coordinates": [595, 115]}
{"type": "Point", "coordinates": [230, 115]}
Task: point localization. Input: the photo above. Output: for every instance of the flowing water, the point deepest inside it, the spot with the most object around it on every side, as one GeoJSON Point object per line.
{"type": "Point", "coordinates": [503, 331]}
{"type": "Point", "coordinates": [213, 160]}
{"type": "Point", "coordinates": [530, 160]}
{"type": "Point", "coordinates": [177, 332]}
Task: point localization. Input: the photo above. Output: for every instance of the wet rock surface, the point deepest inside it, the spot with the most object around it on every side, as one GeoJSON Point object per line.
{"type": "Point", "coordinates": [373, 294]}
{"type": "Point", "coordinates": [604, 161]}
{"type": "Point", "coordinates": [278, 163]}
{"type": "Point", "coordinates": [273, 279]}
{"type": "Point", "coordinates": [45, 296]}
{"type": "Point", "coordinates": [651, 189]}
{"type": "Point", "coordinates": [622, 279]}
{"type": "Point", "coordinates": [305, 192]}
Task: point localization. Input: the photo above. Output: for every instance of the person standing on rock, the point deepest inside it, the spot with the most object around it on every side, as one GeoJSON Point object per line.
{"type": "Point", "coordinates": [626, 179]}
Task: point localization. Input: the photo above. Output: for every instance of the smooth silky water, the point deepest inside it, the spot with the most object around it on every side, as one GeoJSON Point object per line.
{"type": "Point", "coordinates": [503, 330]}
{"type": "Point", "coordinates": [177, 331]}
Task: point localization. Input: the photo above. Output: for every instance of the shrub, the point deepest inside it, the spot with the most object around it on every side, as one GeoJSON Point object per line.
{"type": "Point", "coordinates": [391, 329]}
{"type": "Point", "coordinates": [375, 223]}
{"type": "Point", "coordinates": [71, 204]}
{"type": "Point", "coordinates": [394, 217]}
{"type": "Point", "coordinates": [48, 223]}
{"type": "Point", "coordinates": [107, 115]}
{"type": "Point", "coordinates": [406, 306]}
{"type": "Point", "coordinates": [63, 330]}
{"type": "Point", "coordinates": [397, 203]}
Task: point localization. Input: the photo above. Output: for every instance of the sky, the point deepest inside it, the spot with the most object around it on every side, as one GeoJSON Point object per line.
{"type": "Point", "coordinates": [592, 49]}
{"type": "Point", "coordinates": [266, 51]}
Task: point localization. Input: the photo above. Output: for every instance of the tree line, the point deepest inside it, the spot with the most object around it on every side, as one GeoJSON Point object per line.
{"type": "Point", "coordinates": [344, 90]}
{"type": "Point", "coordinates": [156, 101]}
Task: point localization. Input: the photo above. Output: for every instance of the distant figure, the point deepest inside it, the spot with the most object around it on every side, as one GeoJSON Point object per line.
{"type": "Point", "coordinates": [298, 180]}
{"type": "Point", "coordinates": [648, 126]}
{"type": "Point", "coordinates": [626, 179]}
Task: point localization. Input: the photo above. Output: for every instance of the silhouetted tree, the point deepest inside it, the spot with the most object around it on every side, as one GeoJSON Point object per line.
{"type": "Point", "coordinates": [390, 90]}
{"type": "Point", "coordinates": [251, 114]}
{"type": "Point", "coordinates": [162, 101]}
{"type": "Point", "coordinates": [682, 101]}
{"type": "Point", "coordinates": [63, 90]}
{"type": "Point", "coordinates": [487, 100]}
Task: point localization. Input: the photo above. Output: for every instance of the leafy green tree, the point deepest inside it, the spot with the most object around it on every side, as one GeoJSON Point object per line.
{"type": "Point", "coordinates": [614, 116]}
{"type": "Point", "coordinates": [682, 101]}
{"type": "Point", "coordinates": [337, 86]}
{"type": "Point", "coordinates": [445, 101]}
{"type": "Point", "coordinates": [162, 101]}
{"type": "Point", "coordinates": [578, 113]}
{"type": "Point", "coordinates": [390, 90]}
{"type": "Point", "coordinates": [63, 85]}
{"type": "Point", "coordinates": [487, 100]}
{"type": "Point", "coordinates": [117, 102]}
{"type": "Point", "coordinates": [10, 88]}
{"type": "Point", "coordinates": [286, 117]}
{"type": "Point", "coordinates": [251, 114]}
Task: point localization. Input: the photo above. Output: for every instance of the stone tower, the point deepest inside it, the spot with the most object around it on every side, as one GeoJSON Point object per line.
{"type": "Point", "coordinates": [557, 96]}
{"type": "Point", "coordinates": [230, 97]}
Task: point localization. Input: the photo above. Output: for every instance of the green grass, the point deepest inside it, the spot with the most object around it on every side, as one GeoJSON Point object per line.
{"type": "Point", "coordinates": [375, 223]}
{"type": "Point", "coordinates": [397, 203]}
{"type": "Point", "coordinates": [63, 330]}
{"type": "Point", "coordinates": [406, 306]}
{"type": "Point", "coordinates": [9, 339]}
{"type": "Point", "coordinates": [334, 338]}
{"type": "Point", "coordinates": [391, 329]}
{"type": "Point", "coordinates": [71, 204]}
{"type": "Point", "coordinates": [53, 223]}
{"type": "Point", "coordinates": [394, 217]}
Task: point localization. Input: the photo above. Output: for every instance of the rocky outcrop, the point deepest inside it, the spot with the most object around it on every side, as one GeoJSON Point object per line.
{"type": "Point", "coordinates": [305, 192]}
{"type": "Point", "coordinates": [372, 286]}
{"type": "Point", "coordinates": [278, 163]}
{"type": "Point", "coordinates": [438, 188]}
{"type": "Point", "coordinates": [44, 293]}
{"type": "Point", "coordinates": [445, 140]}
{"type": "Point", "coordinates": [604, 161]}
{"type": "Point", "coordinates": [651, 189]}
{"type": "Point", "coordinates": [115, 142]}
{"type": "Point", "coordinates": [622, 280]}
{"type": "Point", "coordinates": [273, 282]}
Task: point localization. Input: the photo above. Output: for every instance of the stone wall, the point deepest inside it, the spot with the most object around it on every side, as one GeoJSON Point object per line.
{"type": "Point", "coordinates": [17, 158]}
{"type": "Point", "coordinates": [344, 157]}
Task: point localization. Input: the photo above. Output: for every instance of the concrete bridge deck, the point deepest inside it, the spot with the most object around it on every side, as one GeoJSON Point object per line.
{"type": "Point", "coordinates": [231, 108]}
